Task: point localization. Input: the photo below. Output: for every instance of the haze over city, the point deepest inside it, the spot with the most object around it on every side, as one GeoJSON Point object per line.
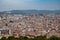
{"type": "Point", "coordinates": [6, 5]}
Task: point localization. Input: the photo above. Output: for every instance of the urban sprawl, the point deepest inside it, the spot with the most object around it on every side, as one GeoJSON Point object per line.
{"type": "Point", "coordinates": [30, 26]}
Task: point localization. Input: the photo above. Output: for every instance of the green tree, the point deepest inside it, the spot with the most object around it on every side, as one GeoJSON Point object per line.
{"type": "Point", "coordinates": [23, 38]}
{"type": "Point", "coordinates": [53, 38]}
{"type": "Point", "coordinates": [11, 38]}
{"type": "Point", "coordinates": [40, 38]}
{"type": "Point", "coordinates": [3, 38]}
{"type": "Point", "coordinates": [59, 38]}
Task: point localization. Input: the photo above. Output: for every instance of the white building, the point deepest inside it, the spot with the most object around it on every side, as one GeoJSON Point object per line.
{"type": "Point", "coordinates": [0, 18]}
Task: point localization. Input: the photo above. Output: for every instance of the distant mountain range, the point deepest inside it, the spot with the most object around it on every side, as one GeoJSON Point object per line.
{"type": "Point", "coordinates": [31, 12]}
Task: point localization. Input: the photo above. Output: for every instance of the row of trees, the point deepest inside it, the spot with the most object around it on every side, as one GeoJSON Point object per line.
{"type": "Point", "coordinates": [35, 38]}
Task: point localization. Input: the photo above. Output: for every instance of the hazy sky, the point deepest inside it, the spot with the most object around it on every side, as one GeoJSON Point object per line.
{"type": "Point", "coordinates": [29, 4]}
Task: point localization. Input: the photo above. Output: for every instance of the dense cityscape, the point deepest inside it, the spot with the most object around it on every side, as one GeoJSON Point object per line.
{"type": "Point", "coordinates": [29, 25]}
{"type": "Point", "coordinates": [29, 19]}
